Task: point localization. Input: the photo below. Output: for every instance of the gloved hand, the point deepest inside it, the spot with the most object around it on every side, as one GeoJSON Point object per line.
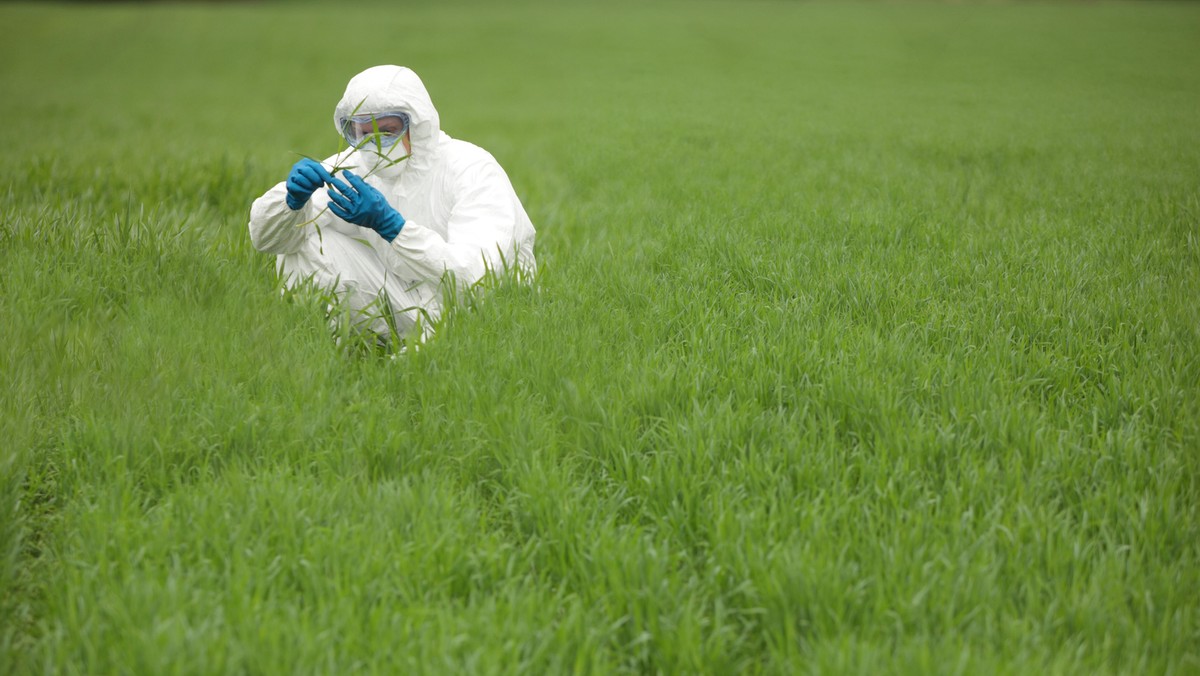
{"type": "Point", "coordinates": [363, 205]}
{"type": "Point", "coordinates": [306, 176]}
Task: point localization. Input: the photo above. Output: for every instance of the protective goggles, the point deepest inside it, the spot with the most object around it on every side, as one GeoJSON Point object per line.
{"type": "Point", "coordinates": [384, 128]}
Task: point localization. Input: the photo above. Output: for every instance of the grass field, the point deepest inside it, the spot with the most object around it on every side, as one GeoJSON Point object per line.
{"type": "Point", "coordinates": [866, 340]}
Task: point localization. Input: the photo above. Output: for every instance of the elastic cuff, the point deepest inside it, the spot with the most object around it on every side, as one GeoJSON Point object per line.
{"type": "Point", "coordinates": [391, 229]}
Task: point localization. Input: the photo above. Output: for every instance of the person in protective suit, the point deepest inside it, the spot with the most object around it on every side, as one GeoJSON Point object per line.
{"type": "Point", "coordinates": [402, 211]}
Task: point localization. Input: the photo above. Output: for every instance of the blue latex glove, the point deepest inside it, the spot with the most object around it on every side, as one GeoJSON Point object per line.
{"type": "Point", "coordinates": [361, 204]}
{"type": "Point", "coordinates": [306, 176]}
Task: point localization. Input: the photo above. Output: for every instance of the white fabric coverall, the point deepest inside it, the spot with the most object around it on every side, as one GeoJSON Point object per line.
{"type": "Point", "coordinates": [461, 214]}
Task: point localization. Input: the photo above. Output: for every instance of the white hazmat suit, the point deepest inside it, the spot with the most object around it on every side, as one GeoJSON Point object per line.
{"type": "Point", "coordinates": [461, 214]}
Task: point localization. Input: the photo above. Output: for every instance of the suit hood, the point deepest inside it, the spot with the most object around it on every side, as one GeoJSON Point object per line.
{"type": "Point", "coordinates": [386, 89]}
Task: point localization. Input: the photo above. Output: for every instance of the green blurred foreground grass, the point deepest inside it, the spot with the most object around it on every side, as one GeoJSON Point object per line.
{"type": "Point", "coordinates": [866, 340]}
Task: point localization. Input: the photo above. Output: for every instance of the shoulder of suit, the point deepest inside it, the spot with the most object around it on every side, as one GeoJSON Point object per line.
{"type": "Point", "coordinates": [467, 153]}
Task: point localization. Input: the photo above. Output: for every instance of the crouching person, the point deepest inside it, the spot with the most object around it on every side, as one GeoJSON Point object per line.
{"type": "Point", "coordinates": [402, 211]}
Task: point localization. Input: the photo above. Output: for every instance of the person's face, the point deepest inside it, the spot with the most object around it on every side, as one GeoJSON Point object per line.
{"type": "Point", "coordinates": [387, 125]}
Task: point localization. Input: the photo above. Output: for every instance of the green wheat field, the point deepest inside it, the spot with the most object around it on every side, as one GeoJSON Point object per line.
{"type": "Point", "coordinates": [866, 339]}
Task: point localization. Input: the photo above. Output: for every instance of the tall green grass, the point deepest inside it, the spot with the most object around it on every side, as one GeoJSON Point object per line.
{"type": "Point", "coordinates": [866, 339]}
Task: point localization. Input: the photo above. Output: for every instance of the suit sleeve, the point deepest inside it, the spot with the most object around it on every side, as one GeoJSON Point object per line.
{"type": "Point", "coordinates": [480, 235]}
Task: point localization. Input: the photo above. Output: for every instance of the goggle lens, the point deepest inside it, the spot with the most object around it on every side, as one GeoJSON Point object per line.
{"type": "Point", "coordinates": [386, 128]}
